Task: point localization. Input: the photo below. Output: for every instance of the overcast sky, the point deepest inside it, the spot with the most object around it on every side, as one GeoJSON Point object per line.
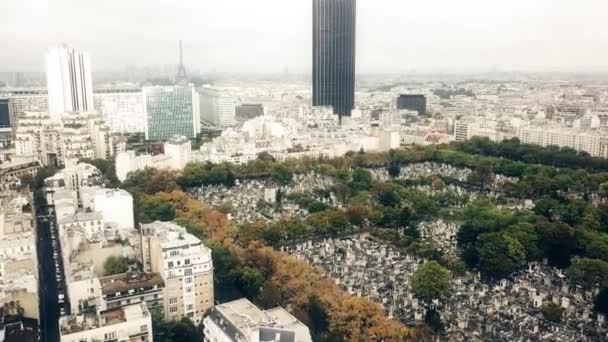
{"type": "Point", "coordinates": [268, 35]}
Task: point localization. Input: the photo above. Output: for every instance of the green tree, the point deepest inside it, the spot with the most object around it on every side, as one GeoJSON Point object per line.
{"type": "Point", "coordinates": [431, 281]}
{"type": "Point", "coordinates": [552, 312]}
{"type": "Point", "coordinates": [393, 170]}
{"type": "Point", "coordinates": [389, 198]}
{"type": "Point", "coordinates": [316, 207]}
{"type": "Point", "coordinates": [362, 180]}
{"type": "Point", "coordinates": [500, 254]}
{"type": "Point", "coordinates": [116, 265]}
{"type": "Point", "coordinates": [589, 272]}
{"type": "Point", "coordinates": [600, 304]}
{"type": "Point", "coordinates": [251, 281]}
{"type": "Point", "coordinates": [281, 174]}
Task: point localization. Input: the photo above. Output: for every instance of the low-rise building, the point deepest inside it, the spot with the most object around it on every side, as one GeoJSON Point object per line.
{"type": "Point", "coordinates": [133, 288]}
{"type": "Point", "coordinates": [129, 323]}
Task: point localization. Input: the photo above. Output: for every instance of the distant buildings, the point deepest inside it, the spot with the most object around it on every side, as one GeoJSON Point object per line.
{"type": "Point", "coordinates": [412, 102]}
{"type": "Point", "coordinates": [248, 111]}
{"type": "Point", "coordinates": [7, 124]}
{"type": "Point", "coordinates": [241, 321]}
{"type": "Point", "coordinates": [74, 136]}
{"type": "Point", "coordinates": [69, 81]}
{"type": "Point", "coordinates": [178, 153]}
{"type": "Point", "coordinates": [184, 264]}
{"type": "Point", "coordinates": [179, 150]}
{"type": "Point", "coordinates": [334, 40]}
{"type": "Point", "coordinates": [122, 109]}
{"type": "Point", "coordinates": [217, 107]}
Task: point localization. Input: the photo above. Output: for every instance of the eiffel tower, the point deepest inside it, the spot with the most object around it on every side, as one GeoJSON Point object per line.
{"type": "Point", "coordinates": [182, 77]}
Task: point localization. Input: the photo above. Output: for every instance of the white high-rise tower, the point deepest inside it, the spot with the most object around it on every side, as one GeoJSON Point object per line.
{"type": "Point", "coordinates": [69, 82]}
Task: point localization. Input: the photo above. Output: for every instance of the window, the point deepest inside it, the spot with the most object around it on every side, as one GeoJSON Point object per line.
{"type": "Point", "coordinates": [188, 280]}
{"type": "Point", "coordinates": [188, 271]}
{"type": "Point", "coordinates": [188, 289]}
{"type": "Point", "coordinates": [173, 309]}
{"type": "Point", "coordinates": [190, 307]}
{"type": "Point", "coordinates": [187, 262]}
{"type": "Point", "coordinates": [172, 300]}
{"type": "Point", "coordinates": [174, 253]}
{"type": "Point", "coordinates": [109, 336]}
{"type": "Point", "coordinates": [170, 264]}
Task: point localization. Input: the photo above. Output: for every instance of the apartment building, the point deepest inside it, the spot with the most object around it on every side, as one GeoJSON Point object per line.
{"type": "Point", "coordinates": [185, 265]}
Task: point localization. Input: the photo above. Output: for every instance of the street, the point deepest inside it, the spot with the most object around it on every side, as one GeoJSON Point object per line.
{"type": "Point", "coordinates": [49, 267]}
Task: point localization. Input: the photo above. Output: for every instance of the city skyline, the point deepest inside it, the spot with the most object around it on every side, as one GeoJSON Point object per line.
{"type": "Point", "coordinates": [239, 36]}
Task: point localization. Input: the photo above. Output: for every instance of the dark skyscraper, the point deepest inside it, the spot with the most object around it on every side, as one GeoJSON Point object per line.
{"type": "Point", "coordinates": [334, 40]}
{"type": "Point", "coordinates": [412, 102]}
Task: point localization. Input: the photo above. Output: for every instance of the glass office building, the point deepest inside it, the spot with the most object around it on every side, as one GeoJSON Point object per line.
{"type": "Point", "coordinates": [334, 40]}
{"type": "Point", "coordinates": [171, 111]}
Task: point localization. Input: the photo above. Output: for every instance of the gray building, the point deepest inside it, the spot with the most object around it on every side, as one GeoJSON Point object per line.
{"type": "Point", "coordinates": [7, 132]}
{"type": "Point", "coordinates": [334, 41]}
{"type": "Point", "coordinates": [412, 102]}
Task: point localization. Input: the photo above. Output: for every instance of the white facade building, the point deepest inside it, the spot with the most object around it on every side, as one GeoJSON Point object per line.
{"type": "Point", "coordinates": [74, 136]}
{"type": "Point", "coordinates": [185, 265]}
{"type": "Point", "coordinates": [179, 151]}
{"type": "Point", "coordinates": [69, 81]}
{"type": "Point", "coordinates": [217, 107]}
{"type": "Point", "coordinates": [116, 206]}
{"type": "Point", "coordinates": [129, 323]}
{"type": "Point", "coordinates": [122, 109]}
{"type": "Point", "coordinates": [241, 321]}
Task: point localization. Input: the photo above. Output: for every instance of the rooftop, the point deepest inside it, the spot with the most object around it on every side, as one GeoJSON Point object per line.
{"type": "Point", "coordinates": [75, 324]}
{"type": "Point", "coordinates": [129, 281]}
{"type": "Point", "coordinates": [242, 319]}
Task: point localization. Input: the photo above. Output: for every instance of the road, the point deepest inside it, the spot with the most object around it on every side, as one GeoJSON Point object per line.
{"type": "Point", "coordinates": [47, 270]}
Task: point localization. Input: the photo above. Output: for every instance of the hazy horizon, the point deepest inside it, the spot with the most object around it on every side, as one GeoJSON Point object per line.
{"type": "Point", "coordinates": [240, 36]}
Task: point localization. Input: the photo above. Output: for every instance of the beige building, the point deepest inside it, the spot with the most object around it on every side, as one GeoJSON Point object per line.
{"type": "Point", "coordinates": [18, 256]}
{"type": "Point", "coordinates": [130, 323]}
{"type": "Point", "coordinates": [185, 265]}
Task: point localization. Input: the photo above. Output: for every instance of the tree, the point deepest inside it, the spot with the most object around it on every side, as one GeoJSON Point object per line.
{"type": "Point", "coordinates": [393, 170]}
{"type": "Point", "coordinates": [115, 265]}
{"type": "Point", "coordinates": [270, 296]}
{"type": "Point", "coordinates": [316, 207]}
{"type": "Point", "coordinates": [281, 174]}
{"type": "Point", "coordinates": [27, 181]}
{"type": "Point", "coordinates": [600, 304]}
{"type": "Point", "coordinates": [433, 319]}
{"type": "Point", "coordinates": [552, 312]}
{"type": "Point", "coordinates": [251, 281]}
{"type": "Point", "coordinates": [389, 198]}
{"type": "Point", "coordinates": [431, 281]}
{"type": "Point", "coordinates": [589, 272]}
{"type": "Point", "coordinates": [362, 180]}
{"type": "Point", "coordinates": [319, 320]}
{"type": "Point", "coordinates": [483, 175]}
{"type": "Point", "coordinates": [499, 254]}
